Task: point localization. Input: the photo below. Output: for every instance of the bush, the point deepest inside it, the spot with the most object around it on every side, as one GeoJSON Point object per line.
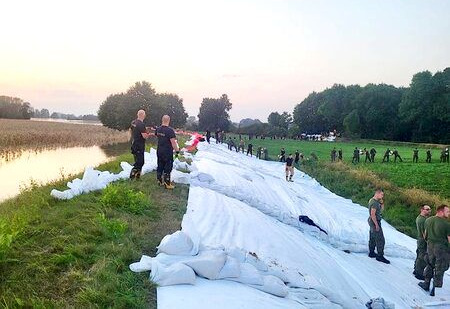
{"type": "Point", "coordinates": [114, 228]}
{"type": "Point", "coordinates": [120, 197]}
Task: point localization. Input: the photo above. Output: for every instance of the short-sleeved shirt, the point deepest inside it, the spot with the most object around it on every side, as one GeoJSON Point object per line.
{"type": "Point", "coordinates": [420, 225]}
{"type": "Point", "coordinates": [164, 134]}
{"type": "Point", "coordinates": [137, 128]}
{"type": "Point", "coordinates": [289, 161]}
{"type": "Point", "coordinates": [437, 229]}
{"type": "Point", "coordinates": [373, 203]}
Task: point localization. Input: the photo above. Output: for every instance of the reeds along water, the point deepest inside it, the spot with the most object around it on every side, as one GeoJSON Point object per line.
{"type": "Point", "coordinates": [16, 135]}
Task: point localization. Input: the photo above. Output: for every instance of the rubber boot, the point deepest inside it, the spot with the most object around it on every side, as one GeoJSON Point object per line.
{"type": "Point", "coordinates": [133, 173]}
{"type": "Point", "coordinates": [382, 259]}
{"type": "Point", "coordinates": [372, 254]}
{"type": "Point", "coordinates": [424, 285]}
{"type": "Point", "coordinates": [167, 183]}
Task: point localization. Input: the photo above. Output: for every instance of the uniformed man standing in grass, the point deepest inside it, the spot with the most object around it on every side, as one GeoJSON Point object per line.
{"type": "Point", "coordinates": [428, 156]}
{"type": "Point", "coordinates": [437, 234]}
{"type": "Point", "coordinates": [376, 236]}
{"type": "Point", "coordinates": [167, 143]}
{"type": "Point", "coordinates": [415, 155]}
{"type": "Point", "coordinates": [421, 250]}
{"type": "Point", "coordinates": [373, 152]}
{"type": "Point", "coordinates": [139, 134]}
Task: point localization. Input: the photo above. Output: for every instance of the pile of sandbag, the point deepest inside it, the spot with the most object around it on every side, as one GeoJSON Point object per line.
{"type": "Point", "coordinates": [181, 258]}
{"type": "Point", "coordinates": [93, 180]}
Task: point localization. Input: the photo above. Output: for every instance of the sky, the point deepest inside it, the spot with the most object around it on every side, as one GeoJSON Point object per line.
{"type": "Point", "coordinates": [266, 55]}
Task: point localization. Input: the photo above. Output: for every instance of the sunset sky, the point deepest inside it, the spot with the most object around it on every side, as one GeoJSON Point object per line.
{"type": "Point", "coordinates": [266, 55]}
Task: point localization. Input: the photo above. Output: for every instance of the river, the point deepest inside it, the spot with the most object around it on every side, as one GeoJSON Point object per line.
{"type": "Point", "coordinates": [48, 165]}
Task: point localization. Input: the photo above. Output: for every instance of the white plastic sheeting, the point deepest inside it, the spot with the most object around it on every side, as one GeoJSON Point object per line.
{"type": "Point", "coordinates": [243, 204]}
{"type": "Point", "coordinates": [93, 180]}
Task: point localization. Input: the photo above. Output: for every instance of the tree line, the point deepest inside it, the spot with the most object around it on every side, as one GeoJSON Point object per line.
{"type": "Point", "coordinates": [14, 108]}
{"type": "Point", "coordinates": [419, 113]}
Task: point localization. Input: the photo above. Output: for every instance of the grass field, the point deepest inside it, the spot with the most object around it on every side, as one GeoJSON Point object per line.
{"type": "Point", "coordinates": [16, 135]}
{"type": "Point", "coordinates": [408, 185]}
{"type": "Point", "coordinates": [75, 253]}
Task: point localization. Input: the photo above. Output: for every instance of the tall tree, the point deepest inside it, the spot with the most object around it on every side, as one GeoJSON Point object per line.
{"type": "Point", "coordinates": [425, 107]}
{"type": "Point", "coordinates": [118, 110]}
{"type": "Point", "coordinates": [213, 113]}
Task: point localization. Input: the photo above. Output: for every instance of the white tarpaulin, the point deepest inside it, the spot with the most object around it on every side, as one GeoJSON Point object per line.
{"type": "Point", "coordinates": [240, 202]}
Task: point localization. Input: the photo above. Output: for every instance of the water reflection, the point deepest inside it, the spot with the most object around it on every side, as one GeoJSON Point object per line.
{"type": "Point", "coordinates": [48, 165]}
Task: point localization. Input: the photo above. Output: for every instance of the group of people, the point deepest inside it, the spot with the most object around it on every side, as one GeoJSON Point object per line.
{"type": "Point", "coordinates": [219, 136]}
{"type": "Point", "coordinates": [167, 144]}
{"type": "Point", "coordinates": [336, 155]}
{"type": "Point", "coordinates": [433, 241]}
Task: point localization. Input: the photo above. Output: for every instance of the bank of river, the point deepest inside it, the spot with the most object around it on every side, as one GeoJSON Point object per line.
{"type": "Point", "coordinates": [48, 165]}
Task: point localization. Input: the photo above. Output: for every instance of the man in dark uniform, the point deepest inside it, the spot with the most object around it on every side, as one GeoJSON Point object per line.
{"type": "Point", "coordinates": [167, 143]}
{"type": "Point", "coordinates": [428, 160]}
{"type": "Point", "coordinates": [138, 134]}
{"type": "Point", "coordinates": [415, 155]}
{"type": "Point", "coordinates": [355, 158]}
{"type": "Point", "coordinates": [208, 135]}
{"type": "Point", "coordinates": [289, 167]}
{"type": "Point", "coordinates": [333, 155]}
{"type": "Point", "coordinates": [386, 156]}
{"type": "Point", "coordinates": [373, 152]}
{"type": "Point", "coordinates": [420, 263]}
{"type": "Point", "coordinates": [250, 149]}
{"type": "Point", "coordinates": [376, 236]}
{"type": "Point", "coordinates": [396, 155]}
{"type": "Point", "coordinates": [367, 153]}
{"type": "Point", "coordinates": [340, 154]}
{"type": "Point", "coordinates": [437, 234]}
{"type": "Point", "coordinates": [216, 135]}
{"type": "Point", "coordinates": [258, 152]}
{"type": "Point", "coordinates": [297, 157]}
{"type": "Point", "coordinates": [282, 155]}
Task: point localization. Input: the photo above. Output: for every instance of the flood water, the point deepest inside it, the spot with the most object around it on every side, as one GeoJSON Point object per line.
{"type": "Point", "coordinates": [48, 165]}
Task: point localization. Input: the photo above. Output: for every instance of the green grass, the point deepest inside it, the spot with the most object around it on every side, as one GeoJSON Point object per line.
{"type": "Point", "coordinates": [76, 253]}
{"type": "Point", "coordinates": [408, 185]}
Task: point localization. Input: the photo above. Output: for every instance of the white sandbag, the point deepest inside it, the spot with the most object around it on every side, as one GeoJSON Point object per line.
{"type": "Point", "coordinates": [203, 177]}
{"type": "Point", "coordinates": [237, 253]}
{"type": "Point", "coordinates": [62, 195]}
{"type": "Point", "coordinates": [253, 259]}
{"type": "Point", "coordinates": [249, 275]}
{"type": "Point", "coordinates": [177, 273]}
{"type": "Point", "coordinates": [273, 285]}
{"type": "Point", "coordinates": [178, 243]}
{"type": "Point", "coordinates": [208, 263]}
{"type": "Point", "coordinates": [277, 272]}
{"type": "Point", "coordinates": [145, 264]}
{"type": "Point", "coordinates": [180, 177]}
{"type": "Point", "coordinates": [188, 227]}
{"type": "Point", "coordinates": [231, 269]}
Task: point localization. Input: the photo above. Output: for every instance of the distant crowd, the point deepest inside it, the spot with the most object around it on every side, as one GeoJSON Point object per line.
{"type": "Point", "coordinates": [336, 155]}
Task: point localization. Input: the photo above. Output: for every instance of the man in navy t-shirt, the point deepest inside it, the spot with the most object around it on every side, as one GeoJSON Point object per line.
{"type": "Point", "coordinates": [167, 143]}
{"type": "Point", "coordinates": [139, 134]}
